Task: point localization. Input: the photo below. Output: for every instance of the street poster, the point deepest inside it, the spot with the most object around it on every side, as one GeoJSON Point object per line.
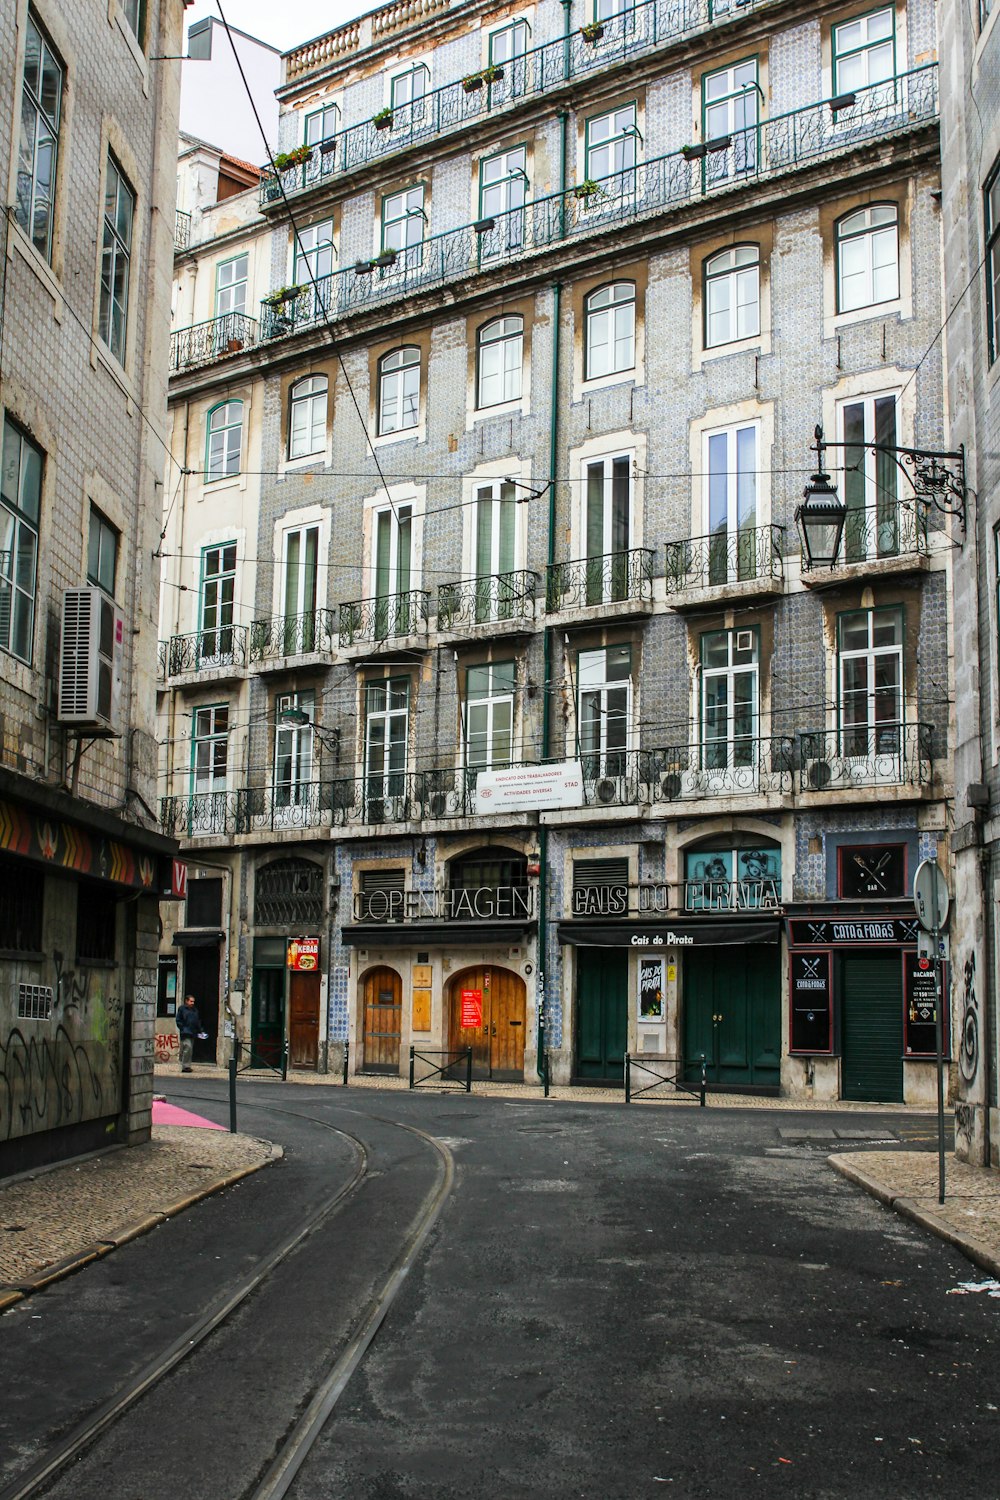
{"type": "Point", "coordinates": [472, 1009]}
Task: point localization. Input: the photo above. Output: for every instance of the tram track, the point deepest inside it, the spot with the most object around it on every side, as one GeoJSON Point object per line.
{"type": "Point", "coordinates": [278, 1474]}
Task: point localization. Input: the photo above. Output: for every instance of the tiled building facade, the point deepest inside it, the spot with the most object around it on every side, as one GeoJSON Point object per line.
{"type": "Point", "coordinates": [84, 336]}
{"type": "Point", "coordinates": [489, 657]}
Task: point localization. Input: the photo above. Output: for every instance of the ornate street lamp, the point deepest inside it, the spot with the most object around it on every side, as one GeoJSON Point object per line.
{"type": "Point", "coordinates": [294, 717]}
{"type": "Point", "coordinates": [821, 516]}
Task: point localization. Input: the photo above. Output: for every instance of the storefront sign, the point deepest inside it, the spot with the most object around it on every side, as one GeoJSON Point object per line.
{"type": "Point", "coordinates": [651, 989]}
{"type": "Point", "coordinates": [811, 1002]}
{"type": "Point", "coordinates": [472, 1009]}
{"type": "Point", "coordinates": [303, 954]}
{"type": "Point", "coordinates": [852, 932]}
{"type": "Point", "coordinates": [710, 932]}
{"type": "Point", "coordinates": [507, 903]}
{"type": "Point", "coordinates": [530, 788]}
{"type": "Point", "coordinates": [178, 879]}
{"type": "Point", "coordinates": [920, 1014]}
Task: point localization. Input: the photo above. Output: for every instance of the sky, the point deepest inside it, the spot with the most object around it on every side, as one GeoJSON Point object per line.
{"type": "Point", "coordinates": [286, 25]}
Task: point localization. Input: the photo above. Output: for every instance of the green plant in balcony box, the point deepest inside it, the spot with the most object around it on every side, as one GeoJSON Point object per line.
{"type": "Point", "coordinates": [593, 32]}
{"type": "Point", "coordinates": [297, 157]}
{"type": "Point", "coordinates": [588, 188]}
{"type": "Point", "coordinates": [282, 295]}
{"type": "Point", "coordinates": [492, 74]}
{"type": "Point", "coordinates": [472, 83]}
{"type": "Point", "coordinates": [383, 120]}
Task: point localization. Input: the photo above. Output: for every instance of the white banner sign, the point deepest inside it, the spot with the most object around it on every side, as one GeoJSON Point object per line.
{"type": "Point", "coordinates": [530, 788]}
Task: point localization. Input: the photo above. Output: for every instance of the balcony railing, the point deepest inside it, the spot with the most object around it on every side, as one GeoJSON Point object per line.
{"type": "Point", "coordinates": [615, 578]}
{"type": "Point", "coordinates": [453, 107]}
{"type": "Point", "coordinates": [182, 230]}
{"type": "Point", "coordinates": [293, 635]}
{"type": "Point", "coordinates": [203, 651]}
{"type": "Point", "coordinates": [203, 342]}
{"type": "Point", "coordinates": [890, 529]}
{"type": "Point", "coordinates": [866, 755]}
{"type": "Point", "coordinates": [495, 599]}
{"type": "Point", "coordinates": [770, 149]}
{"type": "Point", "coordinates": [741, 766]}
{"type": "Point", "coordinates": [750, 555]}
{"type": "Point", "coordinates": [505, 903]}
{"type": "Point", "coordinates": [649, 899]}
{"type": "Point", "coordinates": [370, 621]}
{"type": "Point", "coordinates": [201, 814]}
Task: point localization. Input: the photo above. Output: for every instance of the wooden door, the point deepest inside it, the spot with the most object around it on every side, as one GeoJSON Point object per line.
{"type": "Point", "coordinates": [601, 1014]}
{"type": "Point", "coordinates": [303, 1019]}
{"type": "Point", "coordinates": [732, 1016]}
{"type": "Point", "coordinates": [383, 1017]}
{"type": "Point", "coordinates": [498, 1044]}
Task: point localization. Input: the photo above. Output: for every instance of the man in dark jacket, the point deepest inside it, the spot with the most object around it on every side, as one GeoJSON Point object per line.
{"type": "Point", "coordinates": [189, 1026]}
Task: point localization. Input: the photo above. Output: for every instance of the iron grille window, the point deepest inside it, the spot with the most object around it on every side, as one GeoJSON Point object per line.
{"type": "Point", "coordinates": [488, 870]}
{"type": "Point", "coordinates": [34, 1002]}
{"type": "Point", "coordinates": [22, 893]}
{"type": "Point", "coordinates": [96, 924]}
{"type": "Point", "coordinates": [289, 892]}
{"type": "Point", "coordinates": [204, 903]}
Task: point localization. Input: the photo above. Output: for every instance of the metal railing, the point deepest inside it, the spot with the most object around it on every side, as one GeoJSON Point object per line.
{"type": "Point", "coordinates": [388, 618]}
{"type": "Point", "coordinates": [200, 814]}
{"type": "Point", "coordinates": [889, 529]}
{"type": "Point", "coordinates": [203, 651]}
{"type": "Point", "coordinates": [493, 599]}
{"type": "Point", "coordinates": [293, 635]}
{"type": "Point", "coordinates": [645, 1068]}
{"type": "Point", "coordinates": [865, 755]}
{"type": "Point", "coordinates": [442, 1073]}
{"type": "Point", "coordinates": [182, 229]}
{"type": "Point", "coordinates": [203, 342]}
{"type": "Point", "coordinates": [749, 555]}
{"type": "Point", "coordinates": [615, 578]}
{"type": "Point", "coordinates": [736, 767]}
{"type": "Point", "coordinates": [453, 106]}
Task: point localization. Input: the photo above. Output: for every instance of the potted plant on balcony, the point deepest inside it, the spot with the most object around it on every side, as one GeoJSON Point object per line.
{"type": "Point", "coordinates": [587, 189]}
{"type": "Point", "coordinates": [492, 74]}
{"type": "Point", "coordinates": [386, 260]}
{"type": "Point", "coordinates": [383, 120]}
{"type": "Point", "coordinates": [282, 295]}
{"type": "Point", "coordinates": [472, 83]}
{"type": "Point", "coordinates": [593, 32]}
{"type": "Point", "coordinates": [297, 157]}
{"type": "Point", "coordinates": [694, 152]}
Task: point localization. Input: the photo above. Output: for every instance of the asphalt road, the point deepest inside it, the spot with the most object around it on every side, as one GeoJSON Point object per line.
{"type": "Point", "coordinates": [615, 1302]}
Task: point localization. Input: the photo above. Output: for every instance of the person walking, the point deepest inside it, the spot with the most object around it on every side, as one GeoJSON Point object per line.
{"type": "Point", "coordinates": [189, 1026]}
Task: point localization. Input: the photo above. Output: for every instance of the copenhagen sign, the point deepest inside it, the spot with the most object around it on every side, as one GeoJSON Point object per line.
{"type": "Point", "coordinates": [483, 903]}
{"type": "Point", "coordinates": [530, 788]}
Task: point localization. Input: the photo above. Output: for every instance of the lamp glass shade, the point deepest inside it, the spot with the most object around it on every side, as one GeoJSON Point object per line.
{"type": "Point", "coordinates": [820, 519]}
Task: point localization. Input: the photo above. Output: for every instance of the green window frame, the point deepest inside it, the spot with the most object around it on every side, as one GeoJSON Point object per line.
{"type": "Point", "coordinates": [102, 552]}
{"type": "Point", "coordinates": [609, 330]}
{"type": "Point", "coordinates": [134, 12]}
{"type": "Point", "coordinates": [224, 440]}
{"type": "Point", "coordinates": [403, 224]}
{"type": "Point", "coordinates": [503, 188]}
{"type": "Point", "coordinates": [499, 361]}
{"type": "Point", "coordinates": [21, 472]}
{"type": "Point", "coordinates": [730, 106]}
{"type": "Point", "coordinates": [408, 89]}
{"type": "Point", "coordinates": [399, 390]}
{"type": "Point", "coordinates": [231, 285]}
{"type": "Point", "coordinates": [116, 256]}
{"type": "Point", "coordinates": [508, 43]}
{"type": "Point", "coordinates": [731, 300]}
{"type": "Point", "coordinates": [864, 50]}
{"type": "Point", "coordinates": [42, 83]}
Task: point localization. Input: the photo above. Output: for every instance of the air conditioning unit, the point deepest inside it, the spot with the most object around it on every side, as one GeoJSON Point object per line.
{"type": "Point", "coordinates": [437, 805]}
{"type": "Point", "coordinates": [90, 661]}
{"type": "Point", "coordinates": [674, 784]}
{"type": "Point", "coordinates": [823, 774]}
{"type": "Point", "coordinates": [606, 790]}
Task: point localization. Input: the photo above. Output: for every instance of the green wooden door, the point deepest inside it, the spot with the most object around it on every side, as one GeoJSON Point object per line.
{"type": "Point", "coordinates": [871, 1027]}
{"type": "Point", "coordinates": [601, 1014]}
{"type": "Point", "coordinates": [732, 1015]}
{"type": "Point", "coordinates": [267, 1023]}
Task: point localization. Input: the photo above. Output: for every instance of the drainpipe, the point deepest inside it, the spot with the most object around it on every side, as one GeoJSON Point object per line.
{"type": "Point", "coordinates": [543, 853]}
{"type": "Point", "coordinates": [567, 6]}
{"type": "Point", "coordinates": [563, 118]}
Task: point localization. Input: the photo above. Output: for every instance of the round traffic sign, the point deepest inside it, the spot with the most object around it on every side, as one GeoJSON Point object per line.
{"type": "Point", "coordinates": [930, 896]}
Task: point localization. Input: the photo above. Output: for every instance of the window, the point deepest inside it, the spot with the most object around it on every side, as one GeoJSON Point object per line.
{"type": "Point", "coordinates": [134, 12]}
{"type": "Point", "coordinates": [610, 152]}
{"type": "Point", "coordinates": [729, 101]}
{"type": "Point", "coordinates": [407, 90]}
{"type": "Point", "coordinates": [204, 902]}
{"type": "Point", "coordinates": [870, 675]}
{"type": "Point", "coordinates": [41, 111]}
{"type": "Point", "coordinates": [991, 216]}
{"type": "Point", "coordinates": [119, 211]}
{"type": "Point", "coordinates": [609, 330]}
{"type": "Point", "coordinates": [729, 721]}
{"type": "Point", "coordinates": [985, 8]}
{"type": "Point", "coordinates": [503, 184]}
{"type": "Point", "coordinates": [398, 390]}
{"type": "Point", "coordinates": [403, 221]}
{"type": "Point", "coordinates": [607, 521]}
{"type": "Point", "coordinates": [867, 257]}
{"type": "Point", "coordinates": [211, 750]}
{"type": "Point", "coordinates": [102, 552]}
{"type": "Point", "coordinates": [489, 716]}
{"type": "Point", "coordinates": [289, 892]}
{"type": "Point", "coordinates": [732, 295]}
{"type": "Point", "coordinates": [393, 543]}
{"type": "Point", "coordinates": [864, 51]}
{"type": "Point", "coordinates": [313, 258]}
{"type": "Point", "coordinates": [307, 416]}
{"type": "Point", "coordinates": [22, 903]}
{"type": "Point", "coordinates": [870, 479]}
{"type": "Point", "coordinates": [499, 361]}
{"type": "Point", "coordinates": [731, 502]}
{"type": "Point", "coordinates": [604, 10]}
{"type": "Point", "coordinates": [382, 897]}
{"type": "Point", "coordinates": [300, 562]}
{"type": "Point", "coordinates": [20, 506]}
{"type": "Point", "coordinates": [508, 42]}
{"type": "Point", "coordinates": [225, 438]}
{"type": "Point", "coordinates": [293, 750]}
{"type": "Point", "coordinates": [231, 286]}
{"type": "Point", "coordinates": [387, 706]}
{"type": "Point", "coordinates": [218, 597]}
{"type": "Point", "coordinates": [495, 519]}
{"type": "Point", "coordinates": [96, 923]}
{"type": "Point", "coordinates": [600, 887]}
{"type": "Point", "coordinates": [322, 126]}
{"type": "Point", "coordinates": [722, 878]}
{"type": "Point", "coordinates": [605, 709]}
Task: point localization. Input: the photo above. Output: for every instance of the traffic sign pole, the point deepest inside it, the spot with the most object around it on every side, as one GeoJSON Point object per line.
{"type": "Point", "coordinates": [932, 904]}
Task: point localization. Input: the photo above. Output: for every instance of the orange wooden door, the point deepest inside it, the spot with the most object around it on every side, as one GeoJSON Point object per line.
{"type": "Point", "coordinates": [383, 1016]}
{"type": "Point", "coordinates": [303, 1020]}
{"type": "Point", "coordinates": [498, 1044]}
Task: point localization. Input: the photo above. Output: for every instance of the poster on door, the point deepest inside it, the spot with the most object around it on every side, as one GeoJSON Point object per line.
{"type": "Point", "coordinates": [651, 989]}
{"type": "Point", "coordinates": [303, 954]}
{"type": "Point", "coordinates": [471, 1009]}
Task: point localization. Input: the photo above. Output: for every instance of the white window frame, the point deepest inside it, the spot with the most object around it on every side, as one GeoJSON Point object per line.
{"type": "Point", "coordinates": [610, 311]}
{"type": "Point", "coordinates": [604, 705]}
{"type": "Point", "coordinates": [299, 578]}
{"type": "Point", "coordinates": [731, 497]}
{"type": "Point", "coordinates": [224, 444]}
{"type": "Point", "coordinates": [399, 391]}
{"type": "Point", "coordinates": [873, 742]}
{"type": "Point", "coordinates": [23, 472]}
{"type": "Point", "coordinates": [732, 277]}
{"type": "Point", "coordinates": [872, 228]}
{"type": "Point", "coordinates": [736, 743]}
{"type": "Point", "coordinates": [307, 412]}
{"type": "Point", "coordinates": [116, 256]}
{"type": "Point", "coordinates": [39, 128]}
{"type": "Point", "coordinates": [209, 750]}
{"type": "Point", "coordinates": [493, 712]}
{"type": "Point", "coordinates": [500, 344]}
{"type": "Point", "coordinates": [879, 516]}
{"type": "Point", "coordinates": [293, 752]}
{"type": "Point", "coordinates": [230, 287]}
{"type": "Point", "coordinates": [218, 598]}
{"type": "Point", "coordinates": [386, 781]}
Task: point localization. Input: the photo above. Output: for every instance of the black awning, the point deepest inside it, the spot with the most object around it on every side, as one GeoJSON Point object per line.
{"type": "Point", "coordinates": [435, 934]}
{"type": "Point", "coordinates": [707, 933]}
{"type": "Point", "coordinates": [197, 937]}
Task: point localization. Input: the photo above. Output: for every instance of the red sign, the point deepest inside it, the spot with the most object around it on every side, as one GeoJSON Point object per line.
{"type": "Point", "coordinates": [303, 954]}
{"type": "Point", "coordinates": [178, 879]}
{"type": "Point", "coordinates": [472, 1009]}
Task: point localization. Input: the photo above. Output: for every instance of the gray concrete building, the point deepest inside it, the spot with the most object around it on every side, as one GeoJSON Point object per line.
{"type": "Point", "coordinates": [498, 698]}
{"type": "Point", "coordinates": [88, 131]}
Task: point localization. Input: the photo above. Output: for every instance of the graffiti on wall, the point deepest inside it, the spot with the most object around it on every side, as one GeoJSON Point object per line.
{"type": "Point", "coordinates": [51, 1080]}
{"type": "Point", "coordinates": [968, 1054]}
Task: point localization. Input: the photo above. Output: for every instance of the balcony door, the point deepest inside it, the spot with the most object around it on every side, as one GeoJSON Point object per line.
{"type": "Point", "coordinates": [386, 725]}
{"type": "Point", "coordinates": [503, 185]}
{"type": "Point", "coordinates": [608, 528]}
{"type": "Point", "coordinates": [605, 713]}
{"type": "Point", "coordinates": [293, 757]}
{"type": "Point", "coordinates": [870, 670]}
{"type": "Point", "coordinates": [731, 503]}
{"type": "Point", "coordinates": [218, 603]}
{"type": "Point", "coordinates": [730, 721]}
{"type": "Point", "coordinates": [495, 549]}
{"type": "Point", "coordinates": [393, 541]}
{"type": "Point", "coordinates": [870, 478]}
{"type": "Point", "coordinates": [300, 566]}
{"type": "Point", "coordinates": [489, 716]}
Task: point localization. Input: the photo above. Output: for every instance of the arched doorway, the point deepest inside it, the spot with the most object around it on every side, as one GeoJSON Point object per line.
{"type": "Point", "coordinates": [382, 1012]}
{"type": "Point", "coordinates": [498, 1042]}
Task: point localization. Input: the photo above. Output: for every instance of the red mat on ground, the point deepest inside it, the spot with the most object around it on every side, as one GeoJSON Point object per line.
{"type": "Point", "coordinates": [170, 1114]}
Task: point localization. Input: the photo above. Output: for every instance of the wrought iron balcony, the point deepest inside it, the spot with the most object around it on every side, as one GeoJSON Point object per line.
{"type": "Point", "coordinates": [615, 578]}
{"type": "Point", "coordinates": [201, 814]}
{"type": "Point", "coordinates": [204, 651]}
{"type": "Point", "coordinates": [182, 230]}
{"type": "Point", "coordinates": [750, 555]}
{"type": "Point", "coordinates": [505, 903]}
{"type": "Point", "coordinates": [866, 755]}
{"type": "Point", "coordinates": [204, 342]}
{"type": "Point", "coordinates": [453, 107]}
{"type": "Point", "coordinates": [496, 599]}
{"type": "Point", "coordinates": [741, 766]}
{"type": "Point", "coordinates": [771, 149]}
{"type": "Point", "coordinates": [293, 635]}
{"type": "Point", "coordinates": [889, 530]}
{"type": "Point", "coordinates": [390, 618]}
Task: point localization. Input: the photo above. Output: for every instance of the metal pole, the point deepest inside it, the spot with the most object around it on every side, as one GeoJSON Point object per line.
{"type": "Point", "coordinates": [411, 1067]}
{"type": "Point", "coordinates": [545, 1074]}
{"type": "Point", "coordinates": [939, 1038]}
{"type": "Point", "coordinates": [232, 1096]}
{"type": "Point", "coordinates": [347, 1054]}
{"type": "Point", "coordinates": [704, 1083]}
{"type": "Point", "coordinates": [628, 1079]}
{"type": "Point", "coordinates": [468, 1070]}
{"type": "Point", "coordinates": [284, 1060]}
